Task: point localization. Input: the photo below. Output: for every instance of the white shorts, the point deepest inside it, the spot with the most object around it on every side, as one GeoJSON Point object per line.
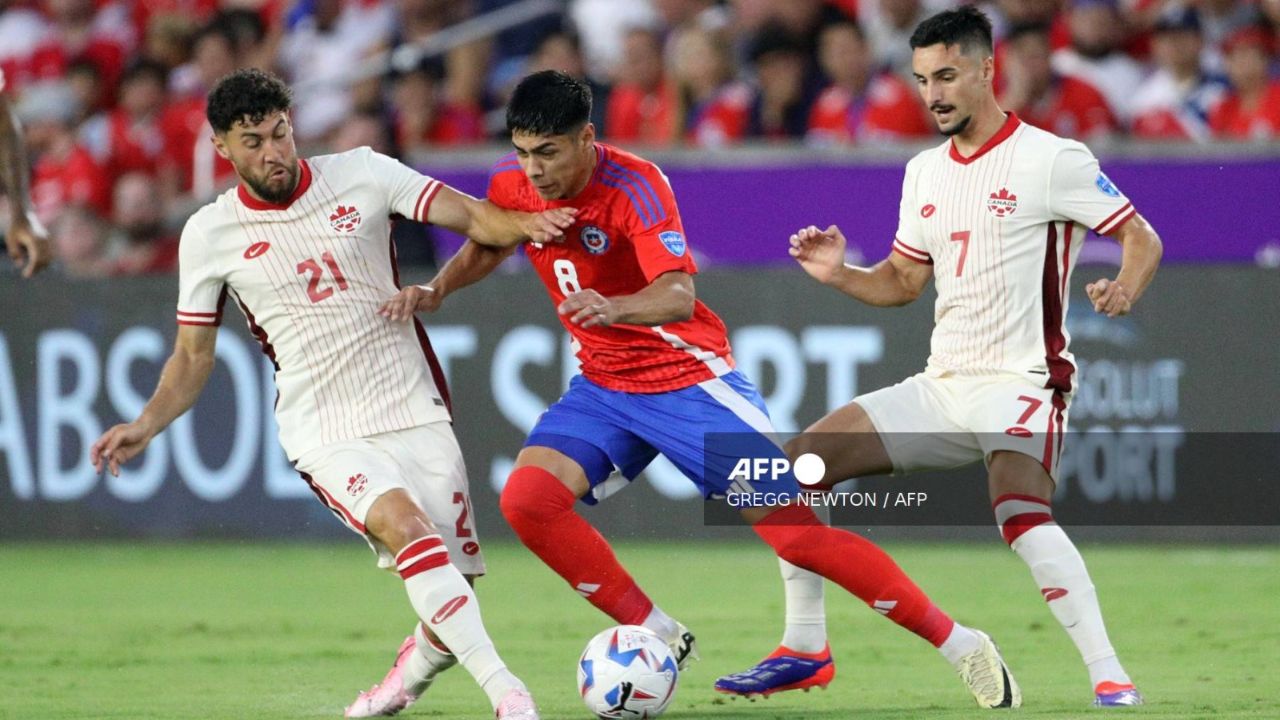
{"type": "Point", "coordinates": [425, 461]}
{"type": "Point", "coordinates": [933, 423]}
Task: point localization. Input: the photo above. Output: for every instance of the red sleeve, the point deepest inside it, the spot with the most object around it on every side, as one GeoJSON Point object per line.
{"type": "Point", "coordinates": [504, 180]}
{"type": "Point", "coordinates": [656, 230]}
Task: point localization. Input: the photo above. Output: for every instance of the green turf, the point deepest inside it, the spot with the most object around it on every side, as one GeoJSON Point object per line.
{"type": "Point", "coordinates": [284, 631]}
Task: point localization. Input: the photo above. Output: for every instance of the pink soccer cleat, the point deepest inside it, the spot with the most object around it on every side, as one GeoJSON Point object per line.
{"type": "Point", "coordinates": [389, 696]}
{"type": "Point", "coordinates": [517, 705]}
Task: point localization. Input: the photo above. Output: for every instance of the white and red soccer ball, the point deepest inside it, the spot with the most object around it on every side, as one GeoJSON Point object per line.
{"type": "Point", "coordinates": [627, 672]}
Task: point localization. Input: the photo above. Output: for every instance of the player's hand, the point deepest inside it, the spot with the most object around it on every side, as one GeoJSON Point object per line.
{"type": "Point", "coordinates": [28, 244]}
{"type": "Point", "coordinates": [1109, 297]}
{"type": "Point", "coordinates": [410, 300]}
{"type": "Point", "coordinates": [548, 226]}
{"type": "Point", "coordinates": [588, 308]}
{"type": "Point", "coordinates": [118, 446]}
{"type": "Point", "coordinates": [819, 252]}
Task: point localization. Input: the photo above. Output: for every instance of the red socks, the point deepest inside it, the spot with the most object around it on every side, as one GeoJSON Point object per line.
{"type": "Point", "coordinates": [540, 509]}
{"type": "Point", "coordinates": [857, 565]}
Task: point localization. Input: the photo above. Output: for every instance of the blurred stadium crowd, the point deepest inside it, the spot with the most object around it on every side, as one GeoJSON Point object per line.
{"type": "Point", "coordinates": [111, 92]}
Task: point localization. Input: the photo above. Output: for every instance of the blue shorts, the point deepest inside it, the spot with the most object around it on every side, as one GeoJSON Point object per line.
{"type": "Point", "coordinates": [604, 429]}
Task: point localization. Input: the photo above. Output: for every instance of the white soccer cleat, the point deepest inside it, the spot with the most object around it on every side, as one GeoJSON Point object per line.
{"type": "Point", "coordinates": [684, 647]}
{"type": "Point", "coordinates": [988, 678]}
{"type": "Point", "coordinates": [517, 705]}
{"type": "Point", "coordinates": [389, 696]}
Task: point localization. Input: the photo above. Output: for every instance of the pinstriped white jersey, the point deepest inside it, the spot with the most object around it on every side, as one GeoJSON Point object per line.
{"type": "Point", "coordinates": [309, 275]}
{"type": "Point", "coordinates": [1003, 229]}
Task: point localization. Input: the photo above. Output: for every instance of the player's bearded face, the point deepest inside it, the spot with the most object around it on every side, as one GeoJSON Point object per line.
{"type": "Point", "coordinates": [951, 83]}
{"type": "Point", "coordinates": [265, 157]}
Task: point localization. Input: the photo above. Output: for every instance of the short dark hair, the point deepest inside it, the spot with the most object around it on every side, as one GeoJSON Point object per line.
{"type": "Point", "coordinates": [549, 103]}
{"type": "Point", "coordinates": [250, 94]}
{"type": "Point", "coordinates": [965, 26]}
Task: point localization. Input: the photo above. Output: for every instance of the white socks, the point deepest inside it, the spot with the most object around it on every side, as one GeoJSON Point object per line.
{"type": "Point", "coordinates": [425, 662]}
{"type": "Point", "coordinates": [662, 625]}
{"type": "Point", "coordinates": [806, 629]}
{"type": "Point", "coordinates": [959, 643]}
{"type": "Point", "coordinates": [1064, 582]}
{"type": "Point", "coordinates": [446, 603]}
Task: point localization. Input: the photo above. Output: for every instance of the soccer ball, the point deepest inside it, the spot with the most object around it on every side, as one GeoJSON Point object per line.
{"type": "Point", "coordinates": [627, 672]}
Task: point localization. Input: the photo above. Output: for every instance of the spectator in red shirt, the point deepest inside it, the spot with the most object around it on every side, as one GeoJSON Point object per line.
{"type": "Point", "coordinates": [1174, 103]}
{"type": "Point", "coordinates": [1251, 110]}
{"type": "Point", "coordinates": [1096, 55]}
{"type": "Point", "coordinates": [715, 106]}
{"type": "Point", "coordinates": [861, 104]}
{"type": "Point", "coordinates": [1065, 106]}
{"type": "Point", "coordinates": [144, 247]}
{"type": "Point", "coordinates": [130, 138]}
{"type": "Point", "coordinates": [642, 107]}
{"type": "Point", "coordinates": [64, 173]}
{"type": "Point", "coordinates": [191, 165]}
{"type": "Point", "coordinates": [81, 29]}
{"type": "Point", "coordinates": [422, 116]}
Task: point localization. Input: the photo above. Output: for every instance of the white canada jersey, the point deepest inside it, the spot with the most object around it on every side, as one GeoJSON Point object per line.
{"type": "Point", "coordinates": [1003, 229]}
{"type": "Point", "coordinates": [309, 275]}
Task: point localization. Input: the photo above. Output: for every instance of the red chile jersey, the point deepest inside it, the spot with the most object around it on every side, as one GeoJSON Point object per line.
{"type": "Point", "coordinates": [627, 233]}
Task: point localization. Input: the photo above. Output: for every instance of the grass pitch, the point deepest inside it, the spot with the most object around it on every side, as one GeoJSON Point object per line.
{"type": "Point", "coordinates": [285, 631]}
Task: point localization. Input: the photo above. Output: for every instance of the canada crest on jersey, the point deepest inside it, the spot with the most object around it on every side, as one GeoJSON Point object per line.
{"type": "Point", "coordinates": [345, 219]}
{"type": "Point", "coordinates": [1002, 203]}
{"type": "Point", "coordinates": [594, 239]}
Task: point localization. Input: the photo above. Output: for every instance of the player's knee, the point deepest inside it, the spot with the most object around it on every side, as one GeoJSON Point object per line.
{"type": "Point", "coordinates": [532, 493]}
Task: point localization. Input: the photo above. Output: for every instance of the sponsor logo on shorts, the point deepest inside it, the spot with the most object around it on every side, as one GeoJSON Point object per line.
{"type": "Point", "coordinates": [356, 484]}
{"type": "Point", "coordinates": [1018, 432]}
{"type": "Point", "coordinates": [447, 610]}
{"type": "Point", "coordinates": [470, 548]}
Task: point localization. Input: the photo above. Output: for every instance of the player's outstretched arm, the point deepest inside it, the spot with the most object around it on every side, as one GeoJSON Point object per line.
{"type": "Point", "coordinates": [1142, 253]}
{"type": "Point", "coordinates": [669, 298]}
{"type": "Point", "coordinates": [891, 282]}
{"type": "Point", "coordinates": [472, 263]}
{"type": "Point", "coordinates": [27, 240]}
{"type": "Point", "coordinates": [488, 224]}
{"type": "Point", "coordinates": [181, 381]}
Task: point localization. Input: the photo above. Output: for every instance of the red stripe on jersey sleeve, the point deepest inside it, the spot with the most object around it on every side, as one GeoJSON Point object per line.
{"type": "Point", "coordinates": [1103, 227]}
{"type": "Point", "coordinates": [431, 193]}
{"type": "Point", "coordinates": [911, 257]}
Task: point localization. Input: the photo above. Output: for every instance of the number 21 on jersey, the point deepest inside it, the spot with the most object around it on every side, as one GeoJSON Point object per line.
{"type": "Point", "coordinates": [312, 268]}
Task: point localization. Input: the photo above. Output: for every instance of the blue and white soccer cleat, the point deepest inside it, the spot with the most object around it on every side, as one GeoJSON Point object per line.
{"type": "Point", "coordinates": [785, 669]}
{"type": "Point", "coordinates": [1109, 694]}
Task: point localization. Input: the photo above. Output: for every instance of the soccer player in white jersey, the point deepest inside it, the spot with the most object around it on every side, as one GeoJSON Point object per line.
{"type": "Point", "coordinates": [303, 246]}
{"type": "Point", "coordinates": [995, 216]}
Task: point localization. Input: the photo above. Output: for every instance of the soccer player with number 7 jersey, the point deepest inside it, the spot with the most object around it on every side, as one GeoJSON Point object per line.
{"type": "Point", "coordinates": [657, 377]}
{"type": "Point", "coordinates": [995, 216]}
{"type": "Point", "coordinates": [304, 247]}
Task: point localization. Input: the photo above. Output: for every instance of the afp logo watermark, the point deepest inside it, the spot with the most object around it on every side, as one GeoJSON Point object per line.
{"type": "Point", "coordinates": [809, 469]}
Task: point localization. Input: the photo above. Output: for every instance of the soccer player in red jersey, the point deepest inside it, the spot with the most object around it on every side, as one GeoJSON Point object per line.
{"type": "Point", "coordinates": [657, 377]}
